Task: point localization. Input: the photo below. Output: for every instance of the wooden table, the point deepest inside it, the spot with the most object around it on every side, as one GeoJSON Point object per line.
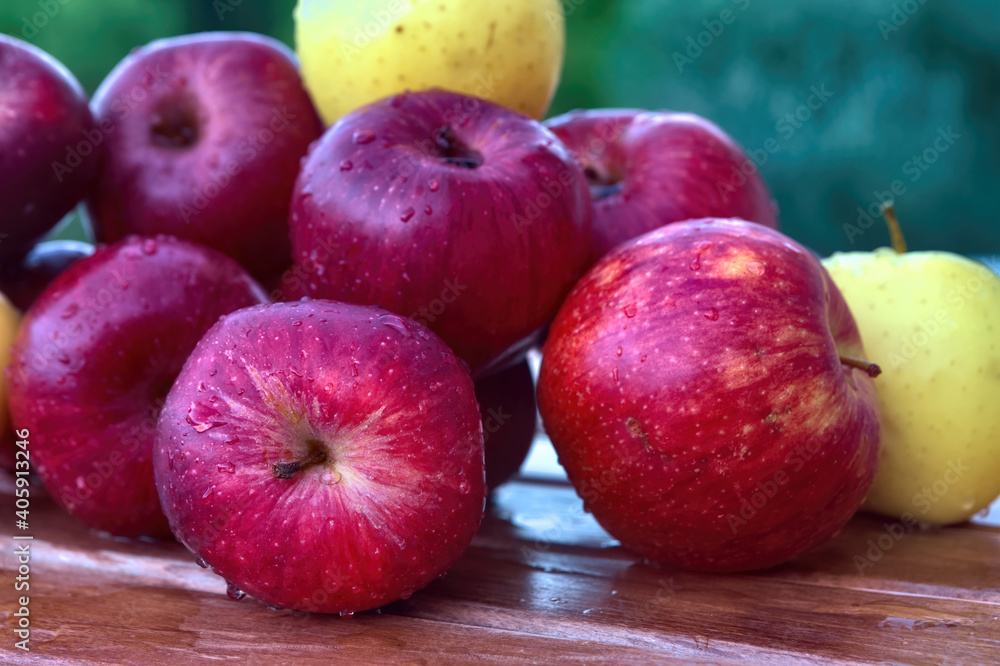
{"type": "Point", "coordinates": [541, 583]}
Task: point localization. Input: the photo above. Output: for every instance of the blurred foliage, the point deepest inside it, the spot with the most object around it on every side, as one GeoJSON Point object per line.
{"type": "Point", "coordinates": [898, 72]}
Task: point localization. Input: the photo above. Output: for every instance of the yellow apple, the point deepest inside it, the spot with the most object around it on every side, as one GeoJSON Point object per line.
{"type": "Point", "coordinates": [9, 319]}
{"type": "Point", "coordinates": [931, 320]}
{"type": "Point", "coordinates": [353, 52]}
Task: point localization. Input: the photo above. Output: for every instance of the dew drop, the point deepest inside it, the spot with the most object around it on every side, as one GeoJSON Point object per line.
{"type": "Point", "coordinates": [463, 486]}
{"type": "Point", "coordinates": [428, 210]}
{"type": "Point", "coordinates": [756, 268]}
{"type": "Point", "coordinates": [614, 374]}
{"type": "Point", "coordinates": [696, 264]}
{"type": "Point", "coordinates": [407, 214]}
{"type": "Point", "coordinates": [395, 322]}
{"type": "Point", "coordinates": [346, 165]}
{"type": "Point", "coordinates": [346, 613]}
{"type": "Point", "coordinates": [433, 185]}
{"type": "Point", "coordinates": [148, 246]}
{"type": "Point", "coordinates": [712, 314]}
{"type": "Point", "coordinates": [226, 467]}
{"type": "Point", "coordinates": [619, 351]}
{"type": "Point", "coordinates": [234, 592]}
{"type": "Point", "coordinates": [200, 562]}
{"type": "Point", "coordinates": [207, 496]}
{"type": "Point", "coordinates": [203, 417]}
{"type": "Point", "coordinates": [70, 311]}
{"type": "Point", "coordinates": [630, 310]}
{"type": "Point", "coordinates": [363, 137]}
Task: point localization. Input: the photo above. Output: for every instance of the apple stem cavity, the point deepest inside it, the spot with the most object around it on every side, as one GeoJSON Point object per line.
{"type": "Point", "coordinates": [454, 151]}
{"type": "Point", "coordinates": [872, 369]}
{"type": "Point", "coordinates": [175, 125]}
{"type": "Point", "coordinates": [895, 231]}
{"type": "Point", "coordinates": [287, 470]}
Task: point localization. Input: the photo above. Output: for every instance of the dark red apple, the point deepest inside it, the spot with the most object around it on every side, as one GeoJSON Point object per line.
{"type": "Point", "coordinates": [94, 359]}
{"type": "Point", "coordinates": [49, 146]}
{"type": "Point", "coordinates": [204, 137]}
{"type": "Point", "coordinates": [23, 282]}
{"type": "Point", "coordinates": [705, 389]}
{"type": "Point", "coordinates": [289, 286]}
{"type": "Point", "coordinates": [322, 456]}
{"type": "Point", "coordinates": [451, 210]}
{"type": "Point", "coordinates": [647, 169]}
{"type": "Point", "coordinates": [507, 404]}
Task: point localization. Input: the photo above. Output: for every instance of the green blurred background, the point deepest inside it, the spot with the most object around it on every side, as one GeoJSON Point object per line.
{"type": "Point", "coordinates": [892, 76]}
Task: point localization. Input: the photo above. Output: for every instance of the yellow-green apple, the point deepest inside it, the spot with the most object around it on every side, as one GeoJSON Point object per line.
{"type": "Point", "coordinates": [203, 137]}
{"type": "Point", "coordinates": [931, 320]}
{"type": "Point", "coordinates": [648, 168]}
{"type": "Point", "coordinates": [356, 52]}
{"type": "Point", "coordinates": [475, 225]}
{"type": "Point", "coordinates": [9, 320]}
{"type": "Point", "coordinates": [705, 388]}
{"type": "Point", "coordinates": [322, 456]}
{"type": "Point", "coordinates": [94, 359]}
{"type": "Point", "coordinates": [49, 145]}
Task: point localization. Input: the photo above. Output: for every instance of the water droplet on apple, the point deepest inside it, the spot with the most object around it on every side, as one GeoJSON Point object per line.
{"type": "Point", "coordinates": [396, 323]}
{"type": "Point", "coordinates": [207, 496]}
{"type": "Point", "coordinates": [630, 310]}
{"type": "Point", "coordinates": [346, 165]}
{"type": "Point", "coordinates": [463, 486]}
{"type": "Point", "coordinates": [203, 417]}
{"type": "Point", "coordinates": [407, 214]}
{"type": "Point", "coordinates": [62, 357]}
{"type": "Point", "coordinates": [756, 268]}
{"type": "Point", "coordinates": [200, 562]}
{"type": "Point", "coordinates": [619, 351]}
{"type": "Point", "coordinates": [234, 592]}
{"type": "Point", "coordinates": [363, 137]}
{"type": "Point", "coordinates": [148, 246]}
{"type": "Point", "coordinates": [614, 374]}
{"type": "Point", "coordinates": [428, 210]}
{"type": "Point", "coordinates": [330, 477]}
{"type": "Point", "coordinates": [70, 311]}
{"type": "Point", "coordinates": [233, 439]}
{"type": "Point", "coordinates": [695, 264]}
{"type": "Point", "coordinates": [643, 359]}
{"type": "Point", "coordinates": [346, 613]}
{"type": "Point", "coordinates": [712, 314]}
{"type": "Point", "coordinates": [226, 467]}
{"type": "Point", "coordinates": [433, 185]}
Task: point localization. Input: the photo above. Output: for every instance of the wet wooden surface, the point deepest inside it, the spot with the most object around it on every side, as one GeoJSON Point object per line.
{"type": "Point", "coordinates": [541, 583]}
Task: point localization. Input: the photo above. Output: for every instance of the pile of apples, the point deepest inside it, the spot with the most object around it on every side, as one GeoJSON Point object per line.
{"type": "Point", "coordinates": [299, 345]}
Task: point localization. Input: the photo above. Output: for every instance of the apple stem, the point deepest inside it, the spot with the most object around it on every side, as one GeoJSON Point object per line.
{"type": "Point", "coordinates": [895, 231]}
{"type": "Point", "coordinates": [287, 470]}
{"type": "Point", "coordinates": [453, 151]}
{"type": "Point", "coordinates": [870, 368]}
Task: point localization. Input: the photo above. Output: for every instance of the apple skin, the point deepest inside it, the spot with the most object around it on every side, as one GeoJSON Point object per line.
{"type": "Point", "coordinates": [399, 495]}
{"type": "Point", "coordinates": [45, 120]}
{"type": "Point", "coordinates": [354, 53]}
{"type": "Point", "coordinates": [507, 404]}
{"type": "Point", "coordinates": [208, 148]}
{"type": "Point", "coordinates": [930, 319]}
{"type": "Point", "coordinates": [650, 168]}
{"type": "Point", "coordinates": [385, 213]}
{"type": "Point", "coordinates": [25, 282]}
{"type": "Point", "coordinates": [695, 370]}
{"type": "Point", "coordinates": [92, 363]}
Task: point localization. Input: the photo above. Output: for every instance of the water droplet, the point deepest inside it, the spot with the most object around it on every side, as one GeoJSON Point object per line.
{"type": "Point", "coordinates": [395, 322]}
{"type": "Point", "coordinates": [346, 613]}
{"type": "Point", "coordinates": [227, 467]}
{"type": "Point", "coordinates": [331, 477]}
{"type": "Point", "coordinates": [463, 486]}
{"type": "Point", "coordinates": [207, 496]}
{"type": "Point", "coordinates": [200, 562]}
{"type": "Point", "coordinates": [233, 439]}
{"type": "Point", "coordinates": [695, 264]}
{"type": "Point", "coordinates": [433, 185]}
{"type": "Point", "coordinates": [630, 310]}
{"type": "Point", "coordinates": [346, 165]}
{"type": "Point", "coordinates": [62, 357]}
{"type": "Point", "coordinates": [712, 314]}
{"type": "Point", "coordinates": [204, 417]}
{"type": "Point", "coordinates": [363, 137]}
{"type": "Point", "coordinates": [703, 246]}
{"type": "Point", "coordinates": [148, 246]}
{"type": "Point", "coordinates": [619, 351]}
{"type": "Point", "coordinates": [70, 311]}
{"type": "Point", "coordinates": [234, 592]}
{"type": "Point", "coordinates": [967, 503]}
{"type": "Point", "coordinates": [756, 268]}
{"type": "Point", "coordinates": [407, 214]}
{"type": "Point", "coordinates": [614, 374]}
{"type": "Point", "coordinates": [428, 210]}
{"type": "Point", "coordinates": [643, 359]}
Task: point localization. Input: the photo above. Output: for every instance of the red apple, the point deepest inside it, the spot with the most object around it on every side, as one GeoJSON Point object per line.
{"type": "Point", "coordinates": [24, 281]}
{"type": "Point", "coordinates": [94, 359]}
{"type": "Point", "coordinates": [322, 456]}
{"type": "Point", "coordinates": [204, 134]}
{"type": "Point", "coordinates": [464, 215]}
{"type": "Point", "coordinates": [704, 388]}
{"type": "Point", "coordinates": [507, 404]}
{"type": "Point", "coordinates": [49, 147]}
{"type": "Point", "coordinates": [647, 169]}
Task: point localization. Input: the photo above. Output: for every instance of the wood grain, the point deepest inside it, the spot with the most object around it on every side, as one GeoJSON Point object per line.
{"type": "Point", "coordinates": [541, 583]}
